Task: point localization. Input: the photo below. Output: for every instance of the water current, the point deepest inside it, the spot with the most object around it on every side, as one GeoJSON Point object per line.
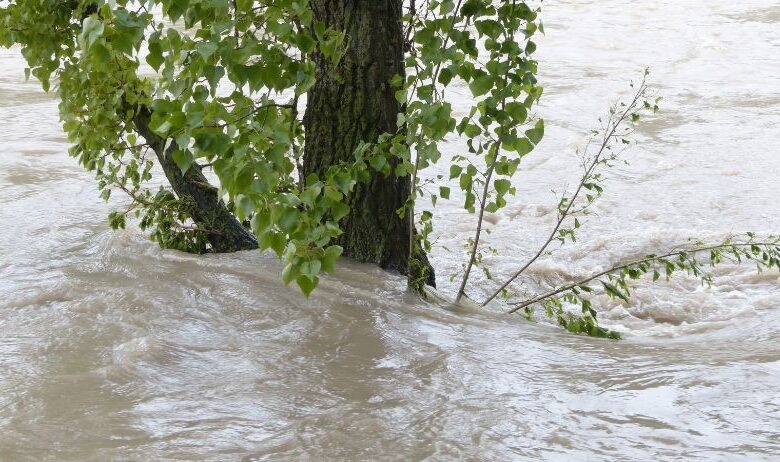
{"type": "Point", "coordinates": [112, 349]}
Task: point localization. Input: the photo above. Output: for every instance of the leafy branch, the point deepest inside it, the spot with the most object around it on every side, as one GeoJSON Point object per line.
{"type": "Point", "coordinates": [481, 217]}
{"type": "Point", "coordinates": [604, 156]}
{"type": "Point", "coordinates": [615, 281]}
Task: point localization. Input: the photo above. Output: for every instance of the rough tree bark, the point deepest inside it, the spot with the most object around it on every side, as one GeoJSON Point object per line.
{"type": "Point", "coordinates": [226, 234]}
{"type": "Point", "coordinates": [355, 102]}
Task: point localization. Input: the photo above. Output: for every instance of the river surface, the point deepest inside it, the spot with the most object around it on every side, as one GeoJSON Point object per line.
{"type": "Point", "coordinates": [111, 349]}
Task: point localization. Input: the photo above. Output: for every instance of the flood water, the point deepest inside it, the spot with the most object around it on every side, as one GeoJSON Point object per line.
{"type": "Point", "coordinates": [111, 349]}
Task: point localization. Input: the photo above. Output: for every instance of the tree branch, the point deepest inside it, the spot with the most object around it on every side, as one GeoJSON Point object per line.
{"type": "Point", "coordinates": [649, 259]}
{"type": "Point", "coordinates": [609, 134]}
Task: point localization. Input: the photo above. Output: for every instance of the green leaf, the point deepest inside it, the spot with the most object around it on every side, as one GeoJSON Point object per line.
{"type": "Point", "coordinates": [310, 268]}
{"type": "Point", "coordinates": [613, 291]}
{"type": "Point", "coordinates": [100, 53]}
{"type": "Point", "coordinates": [517, 111]}
{"type": "Point", "coordinates": [213, 74]}
{"type": "Point", "coordinates": [206, 49]}
{"type": "Point", "coordinates": [155, 57]}
{"type": "Point", "coordinates": [471, 8]}
{"type": "Point", "coordinates": [523, 146]}
{"type": "Point", "coordinates": [116, 220]}
{"type": "Point", "coordinates": [481, 85]}
{"type": "Point", "coordinates": [289, 220]}
{"type": "Point", "coordinates": [212, 142]}
{"type": "Point", "coordinates": [183, 159]}
{"type": "Point", "coordinates": [289, 273]}
{"type": "Point", "coordinates": [537, 133]}
{"type": "Point", "coordinates": [466, 181]}
{"type": "Point", "coordinates": [307, 284]}
{"type": "Point", "coordinates": [91, 30]}
{"type": "Point", "coordinates": [330, 257]}
{"type": "Point", "coordinates": [502, 186]}
{"type": "Point", "coordinates": [274, 241]}
{"type": "Point", "coordinates": [309, 195]}
{"type": "Point", "coordinates": [472, 131]}
{"type": "Point", "coordinates": [340, 210]}
{"type": "Point", "coordinates": [445, 76]}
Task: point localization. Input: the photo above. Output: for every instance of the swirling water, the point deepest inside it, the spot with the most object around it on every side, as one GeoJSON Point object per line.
{"type": "Point", "coordinates": [111, 349]}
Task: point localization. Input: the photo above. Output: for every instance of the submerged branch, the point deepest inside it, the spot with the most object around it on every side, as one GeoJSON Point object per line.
{"type": "Point", "coordinates": [770, 257]}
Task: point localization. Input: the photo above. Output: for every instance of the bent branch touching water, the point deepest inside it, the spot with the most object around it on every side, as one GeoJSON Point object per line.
{"type": "Point", "coordinates": [764, 253]}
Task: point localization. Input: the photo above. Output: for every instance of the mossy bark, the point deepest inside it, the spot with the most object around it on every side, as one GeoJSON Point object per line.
{"type": "Point", "coordinates": [226, 234]}
{"type": "Point", "coordinates": [353, 102]}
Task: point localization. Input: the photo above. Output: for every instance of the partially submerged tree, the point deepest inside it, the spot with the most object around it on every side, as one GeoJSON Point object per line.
{"type": "Point", "coordinates": [318, 119]}
{"type": "Point", "coordinates": [226, 88]}
{"type": "Point", "coordinates": [225, 93]}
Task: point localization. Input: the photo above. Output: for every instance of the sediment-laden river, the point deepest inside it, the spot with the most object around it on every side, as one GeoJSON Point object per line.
{"type": "Point", "coordinates": [111, 349]}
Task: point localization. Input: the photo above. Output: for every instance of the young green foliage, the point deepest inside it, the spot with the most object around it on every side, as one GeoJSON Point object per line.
{"type": "Point", "coordinates": [570, 305]}
{"type": "Point", "coordinates": [487, 47]}
{"type": "Point", "coordinates": [616, 281]}
{"type": "Point", "coordinates": [611, 140]}
{"type": "Point", "coordinates": [223, 95]}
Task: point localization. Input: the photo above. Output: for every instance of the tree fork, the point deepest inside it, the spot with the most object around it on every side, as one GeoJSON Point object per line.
{"type": "Point", "coordinates": [354, 102]}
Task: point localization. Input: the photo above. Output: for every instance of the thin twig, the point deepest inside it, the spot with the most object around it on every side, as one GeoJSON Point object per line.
{"type": "Point", "coordinates": [483, 200]}
{"type": "Point", "coordinates": [566, 213]}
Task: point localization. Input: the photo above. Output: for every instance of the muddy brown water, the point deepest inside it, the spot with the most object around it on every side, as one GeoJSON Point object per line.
{"type": "Point", "coordinates": [111, 349]}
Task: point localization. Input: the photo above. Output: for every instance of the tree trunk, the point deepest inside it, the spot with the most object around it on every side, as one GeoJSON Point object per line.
{"type": "Point", "coordinates": [226, 234]}
{"type": "Point", "coordinates": [355, 102]}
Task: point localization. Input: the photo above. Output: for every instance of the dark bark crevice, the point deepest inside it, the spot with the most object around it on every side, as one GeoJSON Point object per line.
{"type": "Point", "coordinates": [355, 102]}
